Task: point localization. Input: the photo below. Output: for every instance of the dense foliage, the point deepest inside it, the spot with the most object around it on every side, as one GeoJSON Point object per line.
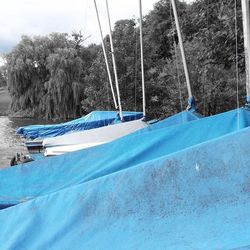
{"type": "Point", "coordinates": [58, 77]}
{"type": "Point", "coordinates": [3, 76]}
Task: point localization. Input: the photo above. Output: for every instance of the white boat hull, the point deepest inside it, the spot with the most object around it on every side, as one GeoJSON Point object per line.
{"type": "Point", "coordinates": [85, 139]}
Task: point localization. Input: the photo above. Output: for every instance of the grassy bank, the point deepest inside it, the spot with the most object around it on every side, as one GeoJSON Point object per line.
{"type": "Point", "coordinates": [4, 100]}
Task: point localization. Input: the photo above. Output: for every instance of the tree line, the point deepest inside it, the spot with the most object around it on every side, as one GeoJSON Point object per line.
{"type": "Point", "coordinates": [3, 76]}
{"type": "Point", "coordinates": [58, 76]}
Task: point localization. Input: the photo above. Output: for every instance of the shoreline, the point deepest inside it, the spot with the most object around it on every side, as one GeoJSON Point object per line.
{"type": "Point", "coordinates": [5, 101]}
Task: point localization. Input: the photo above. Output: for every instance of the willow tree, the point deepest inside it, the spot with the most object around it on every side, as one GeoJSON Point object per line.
{"type": "Point", "coordinates": [22, 75]}
{"type": "Point", "coordinates": [44, 76]}
{"type": "Point", "coordinates": [50, 76]}
{"type": "Point", "coordinates": [3, 76]}
{"type": "Point", "coordinates": [63, 89]}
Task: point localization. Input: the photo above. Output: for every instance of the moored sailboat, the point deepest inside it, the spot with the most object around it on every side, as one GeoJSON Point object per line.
{"type": "Point", "coordinates": [72, 142]}
{"type": "Point", "coordinates": [186, 188]}
{"type": "Point", "coordinates": [76, 141]}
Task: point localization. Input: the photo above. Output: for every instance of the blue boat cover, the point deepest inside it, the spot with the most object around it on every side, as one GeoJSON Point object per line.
{"type": "Point", "coordinates": [198, 198]}
{"type": "Point", "coordinates": [177, 119]}
{"type": "Point", "coordinates": [28, 181]}
{"type": "Point", "coordinates": [94, 119]}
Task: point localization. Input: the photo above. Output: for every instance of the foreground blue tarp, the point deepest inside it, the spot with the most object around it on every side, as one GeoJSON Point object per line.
{"type": "Point", "coordinates": [28, 181]}
{"type": "Point", "coordinates": [198, 198]}
{"type": "Point", "coordinates": [94, 119]}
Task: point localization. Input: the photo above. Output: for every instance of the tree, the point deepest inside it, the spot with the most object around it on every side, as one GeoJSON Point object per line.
{"type": "Point", "coordinates": [56, 75]}
{"type": "Point", "coordinates": [45, 75]}
{"type": "Point", "coordinates": [3, 76]}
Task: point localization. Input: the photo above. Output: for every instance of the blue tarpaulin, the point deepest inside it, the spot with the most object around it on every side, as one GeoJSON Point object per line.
{"type": "Point", "coordinates": [94, 119]}
{"type": "Point", "coordinates": [198, 198]}
{"type": "Point", "coordinates": [177, 119]}
{"type": "Point", "coordinates": [28, 181]}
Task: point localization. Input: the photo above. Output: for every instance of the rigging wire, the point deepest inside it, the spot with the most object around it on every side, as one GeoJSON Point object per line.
{"type": "Point", "coordinates": [114, 63]}
{"type": "Point", "coordinates": [136, 72]}
{"type": "Point", "coordinates": [106, 58]}
{"type": "Point", "coordinates": [176, 62]}
{"type": "Point", "coordinates": [142, 63]}
{"type": "Point", "coordinates": [107, 92]}
{"type": "Point", "coordinates": [178, 75]}
{"type": "Point", "coordinates": [237, 65]}
{"type": "Point", "coordinates": [180, 40]}
{"type": "Point", "coordinates": [206, 66]}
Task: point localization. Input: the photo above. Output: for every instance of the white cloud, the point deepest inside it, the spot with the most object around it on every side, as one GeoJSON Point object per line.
{"type": "Point", "coordinates": [2, 62]}
{"type": "Point", "coordinates": [31, 17]}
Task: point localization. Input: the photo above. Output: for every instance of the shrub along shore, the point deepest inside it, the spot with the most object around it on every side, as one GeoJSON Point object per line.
{"type": "Point", "coordinates": [4, 101]}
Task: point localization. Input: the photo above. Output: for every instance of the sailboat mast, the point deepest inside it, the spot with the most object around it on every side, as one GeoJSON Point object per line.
{"type": "Point", "coordinates": [105, 57]}
{"type": "Point", "coordinates": [142, 63]}
{"type": "Point", "coordinates": [114, 63]}
{"type": "Point", "coordinates": [246, 32]}
{"type": "Point", "coordinates": [190, 96]}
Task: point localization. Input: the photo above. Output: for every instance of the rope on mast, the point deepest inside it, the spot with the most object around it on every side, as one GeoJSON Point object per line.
{"type": "Point", "coordinates": [114, 63]}
{"type": "Point", "coordinates": [237, 65]}
{"type": "Point", "coordinates": [142, 64]}
{"type": "Point", "coordinates": [105, 57]}
{"type": "Point", "coordinates": [135, 73]}
{"type": "Point", "coordinates": [246, 32]}
{"type": "Point", "coordinates": [191, 101]}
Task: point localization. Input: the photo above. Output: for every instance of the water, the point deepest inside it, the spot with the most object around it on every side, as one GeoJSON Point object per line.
{"type": "Point", "coordinates": [10, 144]}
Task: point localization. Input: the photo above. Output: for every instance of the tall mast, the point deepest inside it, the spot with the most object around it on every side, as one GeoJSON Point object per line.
{"type": "Point", "coordinates": [246, 32]}
{"type": "Point", "coordinates": [142, 64]}
{"type": "Point", "coordinates": [105, 57]}
{"type": "Point", "coordinates": [114, 63]}
{"type": "Point", "coordinates": [191, 102]}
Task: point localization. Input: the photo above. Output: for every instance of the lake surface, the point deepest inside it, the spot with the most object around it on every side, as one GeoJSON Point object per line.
{"type": "Point", "coordinates": [10, 144]}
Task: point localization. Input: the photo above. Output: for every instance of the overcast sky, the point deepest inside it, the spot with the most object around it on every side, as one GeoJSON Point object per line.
{"type": "Point", "coordinates": [33, 17]}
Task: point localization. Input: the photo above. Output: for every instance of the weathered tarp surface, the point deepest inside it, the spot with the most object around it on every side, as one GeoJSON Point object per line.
{"type": "Point", "coordinates": [179, 118]}
{"type": "Point", "coordinates": [28, 181]}
{"type": "Point", "coordinates": [94, 119]}
{"type": "Point", "coordinates": [198, 198]}
{"type": "Point", "coordinates": [174, 120]}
